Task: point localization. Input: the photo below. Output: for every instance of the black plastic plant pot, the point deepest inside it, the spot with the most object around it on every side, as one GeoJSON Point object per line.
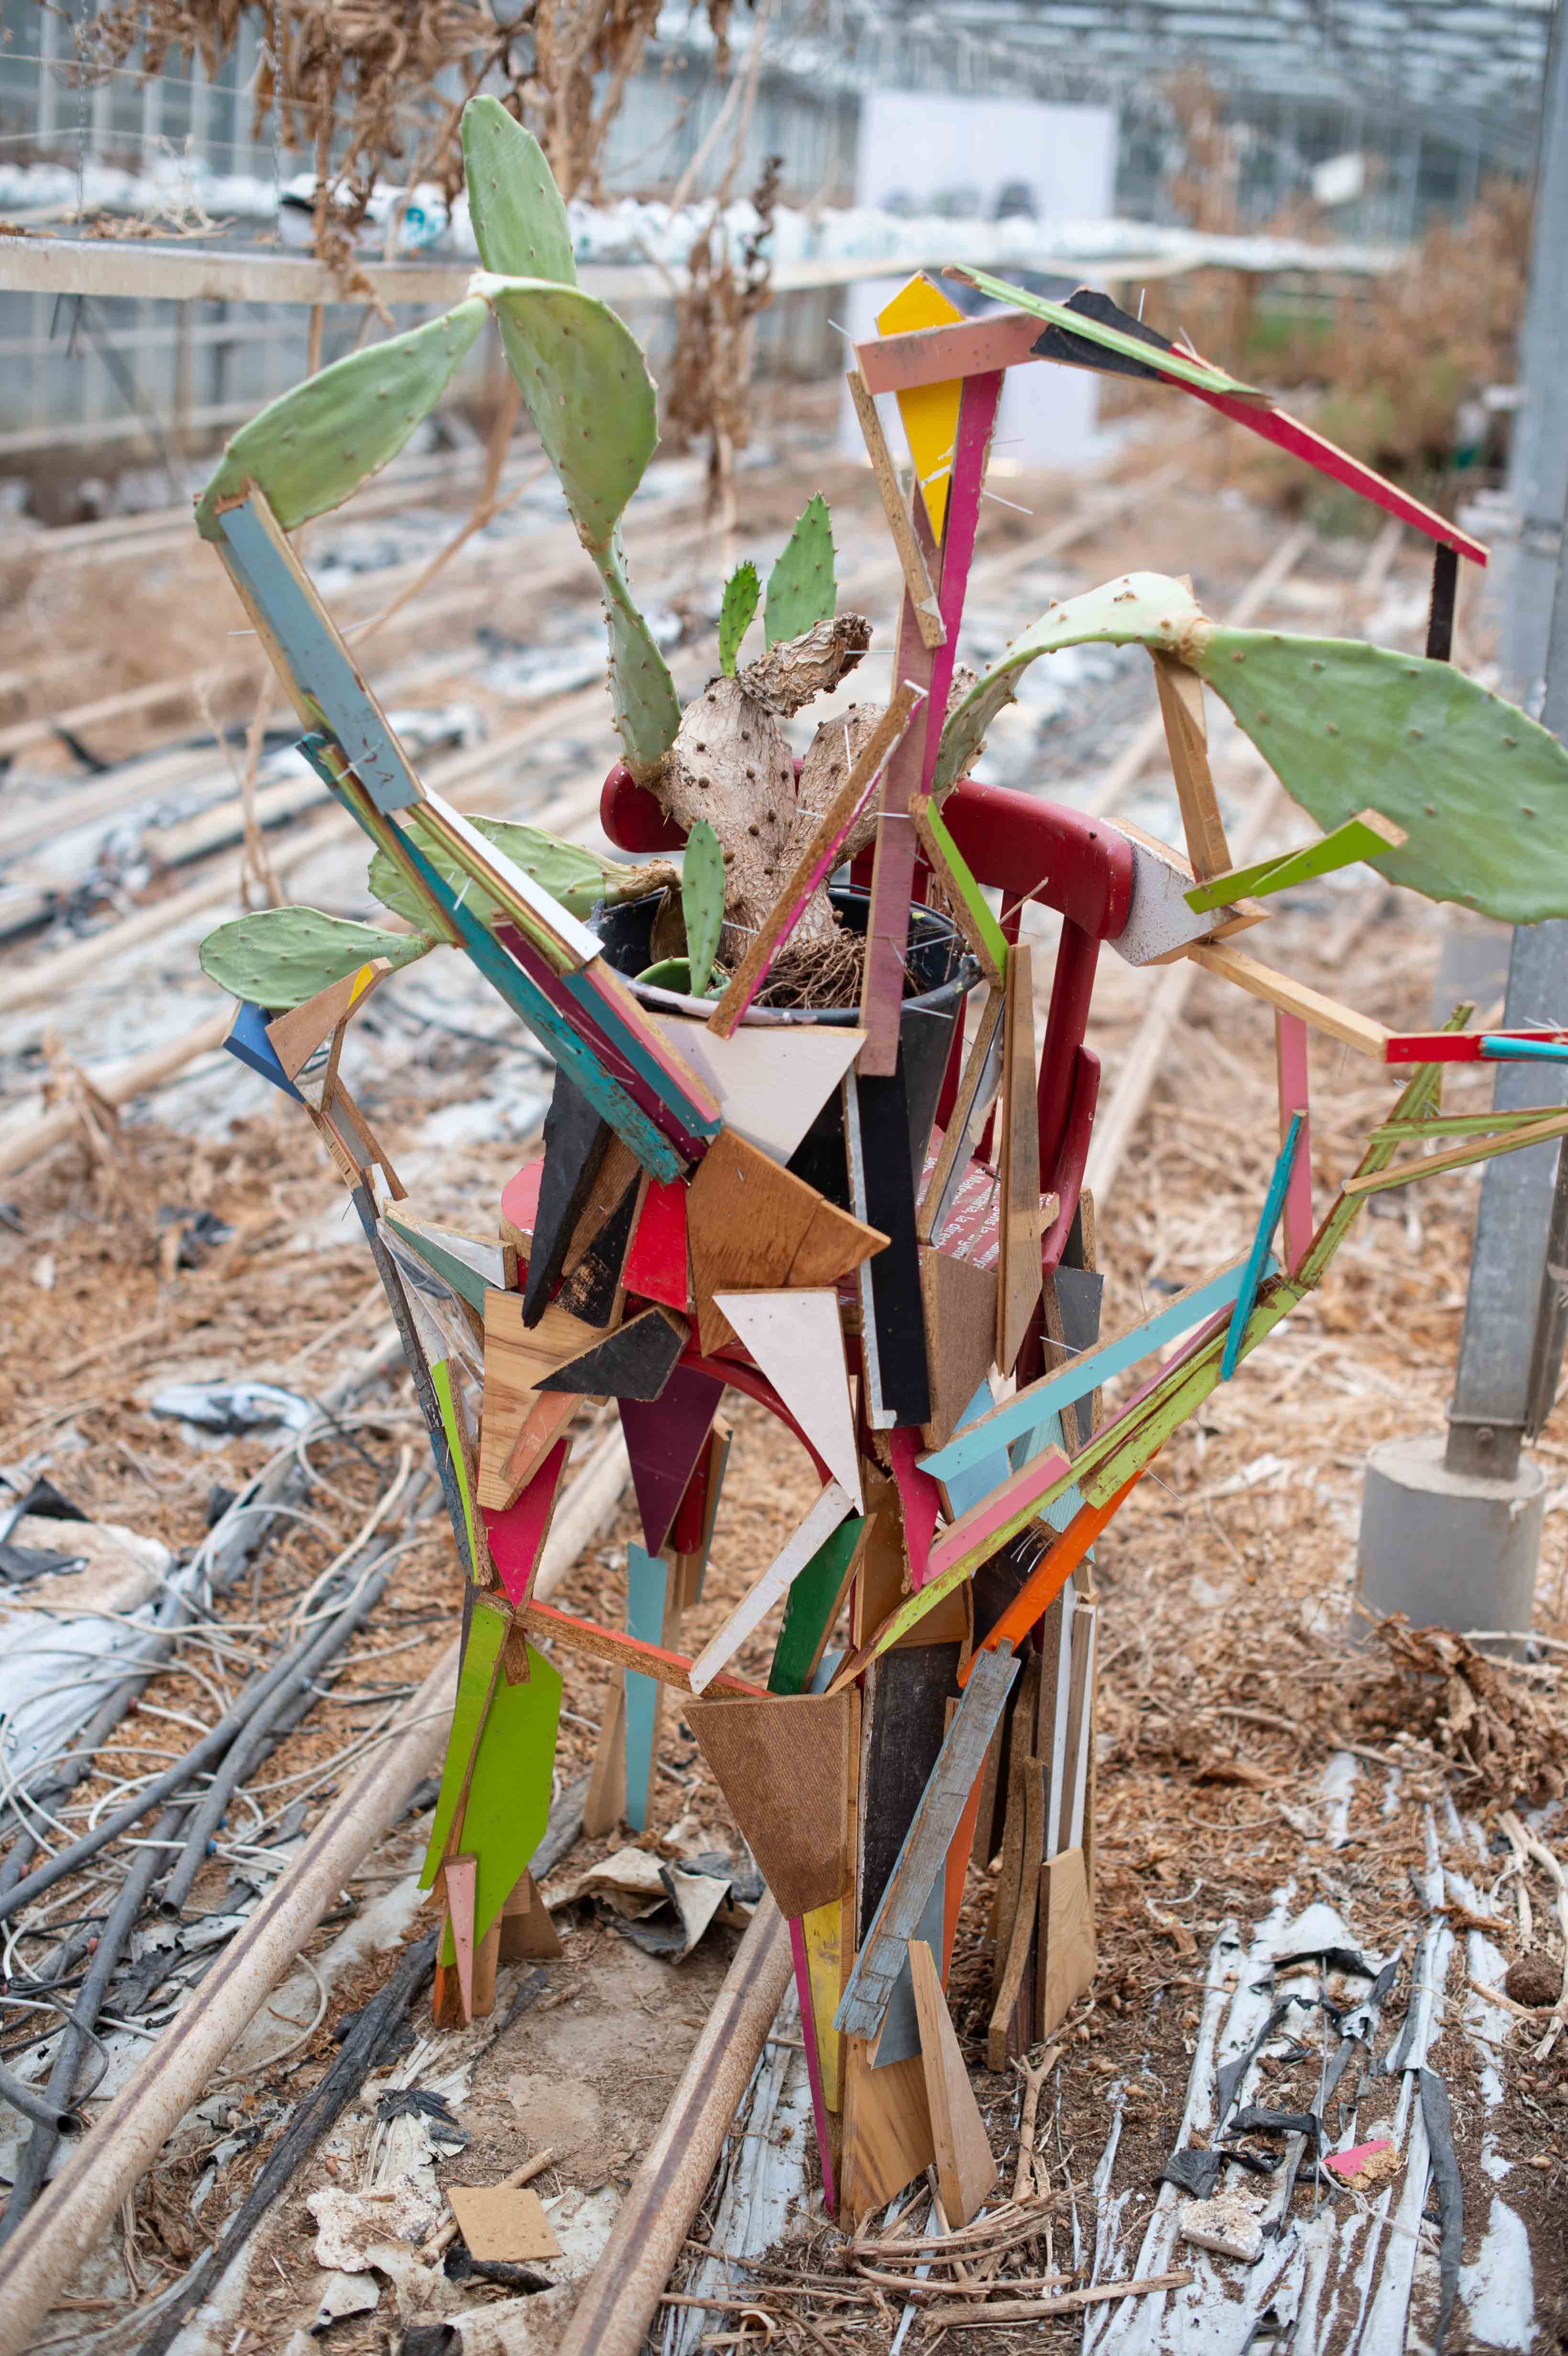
{"type": "Point", "coordinates": [939, 975]}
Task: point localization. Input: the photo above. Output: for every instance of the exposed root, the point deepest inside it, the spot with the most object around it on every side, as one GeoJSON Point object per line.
{"type": "Point", "coordinates": [819, 972]}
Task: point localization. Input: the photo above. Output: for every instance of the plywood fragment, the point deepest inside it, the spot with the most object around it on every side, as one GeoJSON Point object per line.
{"type": "Point", "coordinates": [966, 2169]}
{"type": "Point", "coordinates": [783, 1764]}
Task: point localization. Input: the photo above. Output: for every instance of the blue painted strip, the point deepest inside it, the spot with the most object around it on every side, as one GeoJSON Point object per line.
{"type": "Point", "coordinates": [966, 1489]}
{"type": "Point", "coordinates": [1047, 1434]}
{"type": "Point", "coordinates": [647, 1586]}
{"type": "Point", "coordinates": [1252, 1274]}
{"type": "Point", "coordinates": [525, 998]}
{"type": "Point", "coordinates": [625, 1040]}
{"type": "Point", "coordinates": [248, 1040]}
{"type": "Point", "coordinates": [1081, 1373]}
{"type": "Point", "coordinates": [322, 666]}
{"type": "Point", "coordinates": [1524, 1051]}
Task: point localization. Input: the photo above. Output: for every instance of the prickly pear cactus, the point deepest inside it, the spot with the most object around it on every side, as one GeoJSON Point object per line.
{"type": "Point", "coordinates": [520, 224]}
{"type": "Point", "coordinates": [1144, 607]}
{"type": "Point", "coordinates": [702, 896]}
{"type": "Point", "coordinates": [737, 611]}
{"type": "Point", "coordinates": [310, 448]}
{"type": "Point", "coordinates": [280, 957]}
{"type": "Point", "coordinates": [801, 586]}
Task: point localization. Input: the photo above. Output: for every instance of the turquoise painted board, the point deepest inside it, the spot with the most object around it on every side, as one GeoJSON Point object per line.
{"type": "Point", "coordinates": [647, 1591]}
{"type": "Point", "coordinates": [1022, 1413]}
{"type": "Point", "coordinates": [1048, 1433]}
{"type": "Point", "coordinates": [967, 1487]}
{"type": "Point", "coordinates": [1252, 1275]}
{"type": "Point", "coordinates": [319, 660]}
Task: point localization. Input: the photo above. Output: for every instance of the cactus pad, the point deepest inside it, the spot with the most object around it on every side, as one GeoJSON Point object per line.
{"type": "Point", "coordinates": [642, 693]}
{"type": "Point", "coordinates": [578, 878]}
{"type": "Point", "coordinates": [310, 448]}
{"type": "Point", "coordinates": [1144, 607]}
{"type": "Point", "coordinates": [801, 586]}
{"type": "Point", "coordinates": [280, 957]}
{"type": "Point", "coordinates": [702, 896]}
{"type": "Point", "coordinates": [736, 614]}
{"type": "Point", "coordinates": [519, 221]}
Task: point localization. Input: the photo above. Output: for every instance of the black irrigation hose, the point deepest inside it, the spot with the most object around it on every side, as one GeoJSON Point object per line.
{"type": "Point", "coordinates": [35, 2106]}
{"type": "Point", "coordinates": [259, 1734]}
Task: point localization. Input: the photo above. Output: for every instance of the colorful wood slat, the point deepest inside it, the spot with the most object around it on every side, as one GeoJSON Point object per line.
{"type": "Point", "coordinates": [919, 1499]}
{"type": "Point", "coordinates": [1291, 1068]}
{"type": "Point", "coordinates": [980, 1533]}
{"type": "Point", "coordinates": [1019, 1414]}
{"type": "Point", "coordinates": [315, 663]}
{"type": "Point", "coordinates": [922, 1858]}
{"type": "Point", "coordinates": [1252, 1271]}
{"type": "Point", "coordinates": [831, 1508]}
{"type": "Point", "coordinates": [796, 1339]}
{"type": "Point", "coordinates": [1366, 836]}
{"type": "Point", "coordinates": [564, 938]}
{"type": "Point", "coordinates": [441, 1381]}
{"type": "Point", "coordinates": [247, 1041]}
{"type": "Point", "coordinates": [1457, 1157]}
{"type": "Point", "coordinates": [517, 1535]}
{"type": "Point", "coordinates": [1460, 1046]}
{"type": "Point", "coordinates": [812, 1607]}
{"type": "Point", "coordinates": [657, 1265]}
{"type": "Point", "coordinates": [476, 1677]}
{"type": "Point", "coordinates": [1049, 1577]}
{"type": "Point", "coordinates": [620, 1652]}
{"type": "Point", "coordinates": [958, 885]}
{"type": "Point", "coordinates": [648, 1615]}
{"type": "Point", "coordinates": [647, 1047]}
{"type": "Point", "coordinates": [801, 1961]}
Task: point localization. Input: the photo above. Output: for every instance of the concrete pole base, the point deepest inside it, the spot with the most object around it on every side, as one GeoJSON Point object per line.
{"type": "Point", "coordinates": [1448, 1549]}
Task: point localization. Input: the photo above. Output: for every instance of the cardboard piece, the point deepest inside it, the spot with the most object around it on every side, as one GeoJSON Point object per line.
{"type": "Point", "coordinates": [634, 1362]}
{"type": "Point", "coordinates": [503, 2224]}
{"type": "Point", "coordinates": [784, 1765]}
{"type": "Point", "coordinates": [796, 1340]}
{"type": "Point", "coordinates": [665, 1440]}
{"type": "Point", "coordinates": [966, 2169]}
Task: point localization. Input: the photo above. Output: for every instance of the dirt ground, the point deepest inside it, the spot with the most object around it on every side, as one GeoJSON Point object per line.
{"type": "Point", "coordinates": [1232, 1667]}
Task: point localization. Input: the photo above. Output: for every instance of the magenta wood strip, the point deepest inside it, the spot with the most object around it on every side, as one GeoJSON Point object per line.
{"type": "Point", "coordinates": [976, 423]}
{"type": "Point", "coordinates": [813, 2063]}
{"type": "Point", "coordinates": [920, 1497]}
{"type": "Point", "coordinates": [1290, 1058]}
{"type": "Point", "coordinates": [517, 1535]}
{"type": "Point", "coordinates": [1005, 1503]}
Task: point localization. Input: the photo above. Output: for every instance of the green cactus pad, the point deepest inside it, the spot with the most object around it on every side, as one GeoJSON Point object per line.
{"type": "Point", "coordinates": [642, 693]}
{"type": "Point", "coordinates": [576, 877]}
{"type": "Point", "coordinates": [1142, 607]}
{"type": "Point", "coordinates": [702, 896]}
{"type": "Point", "coordinates": [281, 956]}
{"type": "Point", "coordinates": [519, 221]}
{"type": "Point", "coordinates": [310, 448]}
{"type": "Point", "coordinates": [736, 614]}
{"type": "Point", "coordinates": [1481, 791]}
{"type": "Point", "coordinates": [587, 386]}
{"type": "Point", "coordinates": [801, 586]}
{"type": "Point", "coordinates": [675, 973]}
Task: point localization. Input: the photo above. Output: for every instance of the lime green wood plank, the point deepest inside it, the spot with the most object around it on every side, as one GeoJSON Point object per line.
{"type": "Point", "coordinates": [1177, 364]}
{"type": "Point", "coordinates": [509, 1801]}
{"type": "Point", "coordinates": [1355, 840]}
{"type": "Point", "coordinates": [962, 878]}
{"type": "Point", "coordinates": [811, 1599]}
{"type": "Point", "coordinates": [1456, 1124]}
{"type": "Point", "coordinates": [475, 1680]}
{"type": "Point", "coordinates": [441, 1378]}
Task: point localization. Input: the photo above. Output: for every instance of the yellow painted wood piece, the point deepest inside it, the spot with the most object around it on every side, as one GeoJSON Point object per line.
{"type": "Point", "coordinates": [929, 413]}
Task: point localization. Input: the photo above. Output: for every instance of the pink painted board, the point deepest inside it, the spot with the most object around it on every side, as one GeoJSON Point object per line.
{"type": "Point", "coordinates": [936, 355]}
{"type": "Point", "coordinates": [813, 2063]}
{"type": "Point", "coordinates": [517, 1534]}
{"type": "Point", "coordinates": [1007, 1499]}
{"type": "Point", "coordinates": [665, 1438]}
{"type": "Point", "coordinates": [920, 1497]}
{"type": "Point", "coordinates": [520, 1195]}
{"type": "Point", "coordinates": [460, 1877]}
{"type": "Point", "coordinates": [1290, 1060]}
{"type": "Point", "coordinates": [1350, 2163]}
{"type": "Point", "coordinates": [656, 1265]}
{"type": "Point", "coordinates": [976, 423]}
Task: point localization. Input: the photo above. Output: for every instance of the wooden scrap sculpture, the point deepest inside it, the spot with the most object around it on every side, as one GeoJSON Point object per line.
{"type": "Point", "coordinates": [809, 1211]}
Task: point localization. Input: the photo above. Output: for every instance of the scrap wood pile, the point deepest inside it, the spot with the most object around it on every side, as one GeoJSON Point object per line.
{"type": "Point", "coordinates": [873, 1225]}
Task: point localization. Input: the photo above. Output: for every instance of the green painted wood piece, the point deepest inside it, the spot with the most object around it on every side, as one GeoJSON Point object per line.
{"type": "Point", "coordinates": [737, 611]}
{"type": "Point", "coordinates": [962, 879]}
{"type": "Point", "coordinates": [1488, 1149]}
{"type": "Point", "coordinates": [807, 1604]}
{"type": "Point", "coordinates": [441, 1382]}
{"type": "Point", "coordinates": [1137, 608]}
{"type": "Point", "coordinates": [278, 957]}
{"type": "Point", "coordinates": [1355, 840]}
{"type": "Point", "coordinates": [508, 1799]}
{"type": "Point", "coordinates": [1458, 1124]}
{"type": "Point", "coordinates": [312, 448]}
{"type": "Point", "coordinates": [1177, 364]}
{"type": "Point", "coordinates": [801, 587]}
{"type": "Point", "coordinates": [702, 896]}
{"type": "Point", "coordinates": [579, 878]}
{"type": "Point", "coordinates": [520, 224]}
{"type": "Point", "coordinates": [477, 1675]}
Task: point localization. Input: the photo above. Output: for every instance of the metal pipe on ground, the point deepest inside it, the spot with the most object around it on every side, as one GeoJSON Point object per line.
{"type": "Point", "coordinates": [73, 2210]}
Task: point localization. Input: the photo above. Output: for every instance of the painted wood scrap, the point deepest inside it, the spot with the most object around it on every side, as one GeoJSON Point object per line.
{"type": "Point", "coordinates": [634, 1362]}
{"type": "Point", "coordinates": [797, 1340]}
{"type": "Point", "coordinates": [1317, 1011]}
{"type": "Point", "coordinates": [978, 1086]}
{"type": "Point", "coordinates": [924, 1850]}
{"type": "Point", "coordinates": [597, 1644]}
{"type": "Point", "coordinates": [888, 2138]}
{"type": "Point", "coordinates": [520, 1205]}
{"type": "Point", "coordinates": [1365, 836]}
{"type": "Point", "coordinates": [653, 1617]}
{"type": "Point", "coordinates": [1160, 922]}
{"type": "Point", "coordinates": [812, 1606]}
{"type": "Point", "coordinates": [955, 880]}
{"type": "Point", "coordinates": [1055, 1565]}
{"type": "Point", "coordinates": [1457, 1157]}
{"type": "Point", "coordinates": [656, 1265]}
{"type": "Point", "coordinates": [297, 1034]}
{"type": "Point", "coordinates": [1257, 1258]}
{"type": "Point", "coordinates": [928, 412]}
{"type": "Point", "coordinates": [1018, 1268]}
{"type": "Point", "coordinates": [755, 1227]}
{"type": "Point", "coordinates": [665, 1440]}
{"type": "Point", "coordinates": [920, 1502]}
{"type": "Point", "coordinates": [477, 1674]}
{"type": "Point", "coordinates": [1015, 1901]}
{"type": "Point", "coordinates": [448, 1392]}
{"type": "Point", "coordinates": [771, 1080]}
{"type": "Point", "coordinates": [246, 1040]}
{"type": "Point", "coordinates": [546, 1420]}
{"type": "Point", "coordinates": [471, 1265]}
{"type": "Point", "coordinates": [516, 1359]}
{"type": "Point", "coordinates": [691, 1532]}
{"type": "Point", "coordinates": [876, 1134]}
{"type": "Point", "coordinates": [528, 1934]}
{"type": "Point", "coordinates": [459, 1880]}
{"type": "Point", "coordinates": [783, 1764]}
{"type": "Point", "coordinates": [515, 1539]}
{"type": "Point", "coordinates": [496, 1785]}
{"type": "Point", "coordinates": [960, 1304]}
{"type": "Point", "coordinates": [800, 1961]}
{"type": "Point", "coordinates": [831, 1508]}
{"type": "Point", "coordinates": [576, 1140]}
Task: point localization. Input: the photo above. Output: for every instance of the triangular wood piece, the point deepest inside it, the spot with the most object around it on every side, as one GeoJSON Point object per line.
{"type": "Point", "coordinates": [1018, 1275]}
{"type": "Point", "coordinates": [528, 1934]}
{"type": "Point", "coordinates": [664, 1437]}
{"type": "Point", "coordinates": [575, 1143]}
{"type": "Point", "coordinates": [966, 2169]}
{"type": "Point", "coordinates": [520, 1204]}
{"type": "Point", "coordinates": [796, 1339]}
{"type": "Point", "coordinates": [656, 1265]}
{"type": "Point", "coordinates": [296, 1035]}
{"type": "Point", "coordinates": [594, 1292]}
{"type": "Point", "coordinates": [634, 1362]}
{"type": "Point", "coordinates": [753, 1226]}
{"type": "Point", "coordinates": [516, 1537]}
{"type": "Point", "coordinates": [460, 1880]}
{"type": "Point", "coordinates": [784, 1765]}
{"type": "Point", "coordinates": [887, 2131]}
{"type": "Point", "coordinates": [516, 1361]}
{"type": "Point", "coordinates": [1066, 1936]}
{"type": "Point", "coordinates": [606, 1803]}
{"type": "Point", "coordinates": [616, 1173]}
{"type": "Point", "coordinates": [771, 1081]}
{"type": "Point", "coordinates": [960, 1337]}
